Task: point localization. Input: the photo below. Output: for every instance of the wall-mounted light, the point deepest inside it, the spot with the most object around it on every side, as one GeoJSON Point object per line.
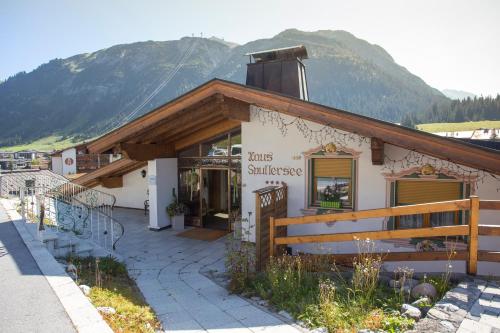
{"type": "Point", "coordinates": [143, 173]}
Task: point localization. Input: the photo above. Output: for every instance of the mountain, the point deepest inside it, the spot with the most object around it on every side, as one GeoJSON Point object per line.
{"type": "Point", "coordinates": [457, 94]}
{"type": "Point", "coordinates": [89, 94]}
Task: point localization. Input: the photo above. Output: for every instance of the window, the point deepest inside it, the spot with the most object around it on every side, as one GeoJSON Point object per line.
{"type": "Point", "coordinates": [411, 192]}
{"type": "Point", "coordinates": [332, 183]}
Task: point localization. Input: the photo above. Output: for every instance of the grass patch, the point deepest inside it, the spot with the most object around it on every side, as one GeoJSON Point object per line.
{"type": "Point", "coordinates": [453, 127]}
{"type": "Point", "coordinates": [46, 144]}
{"type": "Point", "coordinates": [112, 287]}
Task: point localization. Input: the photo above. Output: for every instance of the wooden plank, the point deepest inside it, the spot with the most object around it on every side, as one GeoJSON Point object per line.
{"type": "Point", "coordinates": [104, 171]}
{"type": "Point", "coordinates": [377, 150]}
{"type": "Point", "coordinates": [491, 256]}
{"type": "Point", "coordinates": [271, 237]}
{"type": "Point", "coordinates": [397, 256]}
{"type": "Point", "coordinates": [112, 182]}
{"type": "Point", "coordinates": [207, 133]}
{"type": "Point", "coordinates": [489, 230]}
{"type": "Point", "coordinates": [147, 152]}
{"type": "Point", "coordinates": [489, 204]}
{"type": "Point", "coordinates": [185, 120]}
{"type": "Point", "coordinates": [444, 206]}
{"type": "Point", "coordinates": [458, 230]}
{"type": "Point", "coordinates": [473, 235]}
{"type": "Point", "coordinates": [235, 109]}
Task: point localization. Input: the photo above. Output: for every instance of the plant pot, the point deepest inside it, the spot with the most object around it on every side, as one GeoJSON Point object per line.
{"type": "Point", "coordinates": [177, 222]}
{"type": "Point", "coordinates": [330, 204]}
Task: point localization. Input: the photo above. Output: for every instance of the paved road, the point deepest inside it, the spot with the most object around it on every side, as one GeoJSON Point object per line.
{"type": "Point", "coordinates": [27, 302]}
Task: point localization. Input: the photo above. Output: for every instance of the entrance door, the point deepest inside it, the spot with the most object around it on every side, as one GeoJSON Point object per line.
{"type": "Point", "coordinates": [214, 199]}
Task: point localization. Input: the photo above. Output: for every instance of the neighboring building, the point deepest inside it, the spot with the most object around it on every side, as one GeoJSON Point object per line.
{"type": "Point", "coordinates": [219, 143]}
{"type": "Point", "coordinates": [75, 161]}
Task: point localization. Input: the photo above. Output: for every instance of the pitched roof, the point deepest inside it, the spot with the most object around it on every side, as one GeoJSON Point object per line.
{"type": "Point", "coordinates": [427, 143]}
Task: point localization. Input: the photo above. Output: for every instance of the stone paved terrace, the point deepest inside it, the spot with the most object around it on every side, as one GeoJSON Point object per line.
{"type": "Point", "coordinates": [473, 306]}
{"type": "Point", "coordinates": [168, 269]}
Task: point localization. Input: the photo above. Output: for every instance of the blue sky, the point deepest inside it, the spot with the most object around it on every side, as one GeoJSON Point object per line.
{"type": "Point", "coordinates": [450, 44]}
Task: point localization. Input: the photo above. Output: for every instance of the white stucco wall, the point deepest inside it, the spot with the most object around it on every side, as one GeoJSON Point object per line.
{"type": "Point", "coordinates": [372, 189]}
{"type": "Point", "coordinates": [134, 190]}
{"type": "Point", "coordinates": [67, 155]}
{"type": "Point", "coordinates": [162, 178]}
{"type": "Point", "coordinates": [57, 167]}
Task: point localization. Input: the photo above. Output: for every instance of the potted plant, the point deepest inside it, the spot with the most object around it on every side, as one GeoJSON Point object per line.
{"type": "Point", "coordinates": [175, 211]}
{"type": "Point", "coordinates": [331, 199]}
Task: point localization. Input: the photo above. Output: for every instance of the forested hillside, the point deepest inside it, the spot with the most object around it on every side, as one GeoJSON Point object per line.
{"type": "Point", "coordinates": [89, 94]}
{"type": "Point", "coordinates": [456, 111]}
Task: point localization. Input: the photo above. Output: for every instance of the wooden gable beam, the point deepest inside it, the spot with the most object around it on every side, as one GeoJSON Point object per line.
{"type": "Point", "coordinates": [377, 146]}
{"type": "Point", "coordinates": [146, 152]}
{"type": "Point", "coordinates": [206, 133]}
{"type": "Point", "coordinates": [234, 109]}
{"type": "Point", "coordinates": [111, 182]}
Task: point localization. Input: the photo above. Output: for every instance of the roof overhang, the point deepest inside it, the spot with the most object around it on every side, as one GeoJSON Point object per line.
{"type": "Point", "coordinates": [221, 105]}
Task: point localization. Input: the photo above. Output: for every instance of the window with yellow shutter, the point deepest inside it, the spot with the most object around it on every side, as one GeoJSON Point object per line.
{"type": "Point", "coordinates": [332, 182]}
{"type": "Point", "coordinates": [412, 192]}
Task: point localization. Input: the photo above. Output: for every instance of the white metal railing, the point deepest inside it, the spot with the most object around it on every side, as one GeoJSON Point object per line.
{"type": "Point", "coordinates": [67, 207]}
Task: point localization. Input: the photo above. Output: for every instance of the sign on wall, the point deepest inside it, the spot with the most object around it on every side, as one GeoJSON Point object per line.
{"type": "Point", "coordinates": [262, 164]}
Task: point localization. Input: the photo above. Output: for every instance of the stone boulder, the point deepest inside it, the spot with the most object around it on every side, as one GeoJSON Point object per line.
{"type": "Point", "coordinates": [410, 311]}
{"type": "Point", "coordinates": [85, 289]}
{"type": "Point", "coordinates": [424, 290]}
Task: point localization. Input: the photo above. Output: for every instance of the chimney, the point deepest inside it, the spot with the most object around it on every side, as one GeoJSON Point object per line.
{"type": "Point", "coordinates": [279, 70]}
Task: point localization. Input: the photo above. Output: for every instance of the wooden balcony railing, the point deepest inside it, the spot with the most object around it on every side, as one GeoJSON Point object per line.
{"type": "Point", "coordinates": [472, 230]}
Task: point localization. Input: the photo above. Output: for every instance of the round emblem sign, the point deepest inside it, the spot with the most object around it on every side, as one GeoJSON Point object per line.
{"type": "Point", "coordinates": [68, 161]}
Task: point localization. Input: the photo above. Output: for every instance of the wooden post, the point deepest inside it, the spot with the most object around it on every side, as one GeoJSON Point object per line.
{"type": "Point", "coordinates": [473, 235]}
{"type": "Point", "coordinates": [271, 236]}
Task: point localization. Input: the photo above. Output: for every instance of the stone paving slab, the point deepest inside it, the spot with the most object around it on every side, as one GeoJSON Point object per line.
{"type": "Point", "coordinates": [473, 306]}
{"type": "Point", "coordinates": [168, 271]}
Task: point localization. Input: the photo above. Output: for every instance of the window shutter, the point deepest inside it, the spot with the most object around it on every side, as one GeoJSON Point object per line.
{"type": "Point", "coordinates": [417, 192]}
{"type": "Point", "coordinates": [333, 167]}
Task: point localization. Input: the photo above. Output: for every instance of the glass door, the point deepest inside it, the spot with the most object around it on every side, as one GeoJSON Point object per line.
{"type": "Point", "coordinates": [214, 199]}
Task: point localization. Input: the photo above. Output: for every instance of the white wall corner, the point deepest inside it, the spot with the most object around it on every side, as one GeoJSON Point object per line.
{"type": "Point", "coordinates": [162, 178]}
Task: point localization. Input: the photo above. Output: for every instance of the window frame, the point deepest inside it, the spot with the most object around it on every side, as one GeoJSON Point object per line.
{"type": "Point", "coordinates": [459, 218]}
{"type": "Point", "coordinates": [310, 181]}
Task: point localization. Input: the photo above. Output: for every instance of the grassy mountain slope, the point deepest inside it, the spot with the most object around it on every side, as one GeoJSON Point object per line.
{"type": "Point", "coordinates": [88, 94]}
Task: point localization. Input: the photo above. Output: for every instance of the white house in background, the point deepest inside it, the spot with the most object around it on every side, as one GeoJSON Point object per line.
{"type": "Point", "coordinates": [75, 161]}
{"type": "Point", "coordinates": [219, 143]}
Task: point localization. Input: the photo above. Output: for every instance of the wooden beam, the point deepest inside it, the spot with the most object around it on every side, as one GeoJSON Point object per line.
{"type": "Point", "coordinates": [179, 122]}
{"type": "Point", "coordinates": [391, 256]}
{"type": "Point", "coordinates": [489, 230]}
{"type": "Point", "coordinates": [490, 256]}
{"type": "Point", "coordinates": [235, 109]}
{"type": "Point", "coordinates": [146, 152]}
{"type": "Point", "coordinates": [444, 206]}
{"type": "Point", "coordinates": [377, 146]}
{"type": "Point", "coordinates": [458, 230]}
{"type": "Point", "coordinates": [104, 171]}
{"type": "Point", "coordinates": [473, 235]}
{"type": "Point", "coordinates": [207, 133]}
{"type": "Point", "coordinates": [111, 182]}
{"type": "Point", "coordinates": [489, 204]}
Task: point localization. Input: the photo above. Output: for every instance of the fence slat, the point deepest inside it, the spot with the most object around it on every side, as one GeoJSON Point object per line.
{"type": "Point", "coordinates": [444, 206]}
{"type": "Point", "coordinates": [489, 230]}
{"type": "Point", "coordinates": [489, 204]}
{"type": "Point", "coordinates": [473, 235]}
{"type": "Point", "coordinates": [458, 230]}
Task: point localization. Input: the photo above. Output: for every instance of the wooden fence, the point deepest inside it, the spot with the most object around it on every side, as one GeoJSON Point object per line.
{"type": "Point", "coordinates": [269, 202]}
{"type": "Point", "coordinates": [471, 230]}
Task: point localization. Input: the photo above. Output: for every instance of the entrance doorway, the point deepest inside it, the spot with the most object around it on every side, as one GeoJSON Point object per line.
{"type": "Point", "coordinates": [215, 203]}
{"type": "Point", "coordinates": [210, 182]}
